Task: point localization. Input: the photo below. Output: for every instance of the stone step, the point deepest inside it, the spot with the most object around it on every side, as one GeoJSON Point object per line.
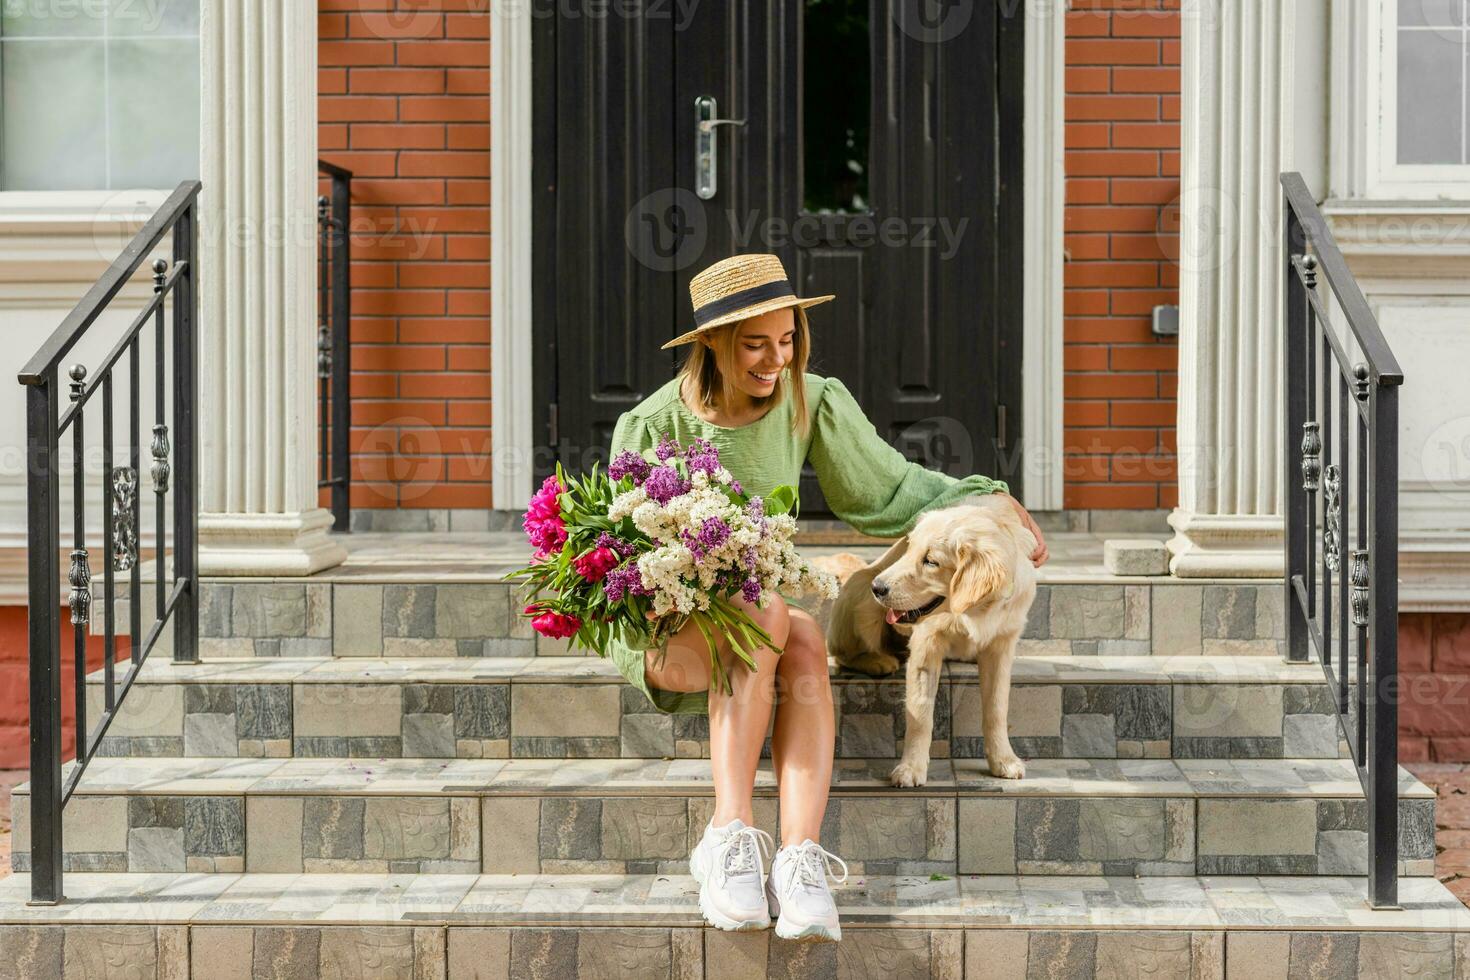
{"type": "Point", "coordinates": [451, 612]}
{"type": "Point", "coordinates": [235, 927]}
{"type": "Point", "coordinates": [1067, 817]}
{"type": "Point", "coordinates": [546, 707]}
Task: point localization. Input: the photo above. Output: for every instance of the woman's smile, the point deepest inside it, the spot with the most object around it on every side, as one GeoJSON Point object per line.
{"type": "Point", "coordinates": [765, 378]}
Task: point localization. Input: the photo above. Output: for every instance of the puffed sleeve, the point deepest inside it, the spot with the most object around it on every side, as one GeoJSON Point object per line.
{"type": "Point", "coordinates": [631, 432]}
{"type": "Point", "coordinates": [868, 483]}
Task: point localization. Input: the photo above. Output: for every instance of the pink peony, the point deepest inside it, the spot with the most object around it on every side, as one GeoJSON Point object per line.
{"type": "Point", "coordinates": [543, 523]}
{"type": "Point", "coordinates": [593, 565]}
{"type": "Point", "coordinates": [556, 625]}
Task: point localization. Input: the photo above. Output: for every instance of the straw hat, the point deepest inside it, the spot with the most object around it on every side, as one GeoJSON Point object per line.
{"type": "Point", "coordinates": [739, 287]}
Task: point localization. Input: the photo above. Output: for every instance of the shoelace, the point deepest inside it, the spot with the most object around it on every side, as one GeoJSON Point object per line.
{"type": "Point", "coordinates": [745, 846]}
{"type": "Point", "coordinates": [812, 866]}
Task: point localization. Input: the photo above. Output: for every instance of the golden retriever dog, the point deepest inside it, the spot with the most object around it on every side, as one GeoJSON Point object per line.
{"type": "Point", "coordinates": [957, 587]}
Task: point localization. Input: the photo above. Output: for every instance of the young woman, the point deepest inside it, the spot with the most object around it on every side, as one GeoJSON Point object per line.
{"type": "Point", "coordinates": [744, 387]}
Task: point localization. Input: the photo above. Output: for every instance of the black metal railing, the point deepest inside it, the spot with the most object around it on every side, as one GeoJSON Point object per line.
{"type": "Point", "coordinates": [333, 347]}
{"type": "Point", "coordinates": [1342, 478]}
{"type": "Point", "coordinates": [48, 418]}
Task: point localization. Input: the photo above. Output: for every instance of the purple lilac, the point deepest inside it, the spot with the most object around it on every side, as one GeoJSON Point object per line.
{"type": "Point", "coordinates": [702, 456]}
{"type": "Point", "coordinates": [735, 485]}
{"type": "Point", "coordinates": [664, 484]}
{"type": "Point", "coordinates": [611, 541]}
{"type": "Point", "coordinates": [713, 532]}
{"type": "Point", "coordinates": [622, 581]}
{"type": "Point", "coordinates": [750, 590]}
{"type": "Point", "coordinates": [628, 463]}
{"type": "Point", "coordinates": [666, 449]}
{"type": "Point", "coordinates": [747, 557]}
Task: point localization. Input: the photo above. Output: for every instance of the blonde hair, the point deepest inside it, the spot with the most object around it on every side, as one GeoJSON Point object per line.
{"type": "Point", "coordinates": [704, 371]}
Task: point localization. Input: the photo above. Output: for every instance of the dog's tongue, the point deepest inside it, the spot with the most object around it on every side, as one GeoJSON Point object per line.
{"type": "Point", "coordinates": [892, 616]}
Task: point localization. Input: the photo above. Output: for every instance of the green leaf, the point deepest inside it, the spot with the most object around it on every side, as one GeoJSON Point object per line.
{"type": "Point", "coordinates": [780, 500]}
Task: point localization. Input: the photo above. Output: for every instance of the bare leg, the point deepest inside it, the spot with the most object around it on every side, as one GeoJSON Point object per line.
{"type": "Point", "coordinates": [805, 732]}
{"type": "Point", "coordinates": [738, 719]}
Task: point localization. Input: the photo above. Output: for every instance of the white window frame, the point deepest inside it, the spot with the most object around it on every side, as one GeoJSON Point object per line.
{"type": "Point", "coordinates": [1365, 113]}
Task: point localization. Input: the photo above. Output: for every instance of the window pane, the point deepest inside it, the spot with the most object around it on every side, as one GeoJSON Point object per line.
{"type": "Point", "coordinates": [1431, 13]}
{"type": "Point", "coordinates": [1430, 111]}
{"type": "Point", "coordinates": [114, 103]}
{"type": "Point", "coordinates": [46, 148]}
{"type": "Point", "coordinates": [837, 84]}
{"type": "Point", "coordinates": [153, 112]}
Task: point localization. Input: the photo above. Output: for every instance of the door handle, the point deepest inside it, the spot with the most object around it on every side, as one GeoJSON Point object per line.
{"type": "Point", "coordinates": [706, 146]}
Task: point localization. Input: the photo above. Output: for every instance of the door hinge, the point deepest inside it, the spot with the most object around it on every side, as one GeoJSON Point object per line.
{"type": "Point", "coordinates": [1000, 427]}
{"type": "Point", "coordinates": [553, 427]}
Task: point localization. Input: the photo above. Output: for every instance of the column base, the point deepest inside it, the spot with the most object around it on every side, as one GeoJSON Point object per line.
{"type": "Point", "coordinates": [1227, 545]}
{"type": "Point", "coordinates": [268, 544]}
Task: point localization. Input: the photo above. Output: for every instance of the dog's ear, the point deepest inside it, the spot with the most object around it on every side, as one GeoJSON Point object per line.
{"type": "Point", "coordinates": [894, 553]}
{"type": "Point", "coordinates": [977, 574]}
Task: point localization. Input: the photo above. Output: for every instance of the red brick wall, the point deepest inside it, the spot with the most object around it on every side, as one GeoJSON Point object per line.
{"type": "Point", "coordinates": [1434, 675]}
{"type": "Point", "coordinates": [15, 698]}
{"type": "Point", "coordinates": [1122, 161]}
{"type": "Point", "coordinates": [404, 102]}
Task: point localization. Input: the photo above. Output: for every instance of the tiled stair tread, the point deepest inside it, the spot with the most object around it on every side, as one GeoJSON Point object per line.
{"type": "Point", "coordinates": [488, 556]}
{"type": "Point", "coordinates": [1252, 778]}
{"type": "Point", "coordinates": [1299, 904]}
{"type": "Point", "coordinates": [1027, 670]}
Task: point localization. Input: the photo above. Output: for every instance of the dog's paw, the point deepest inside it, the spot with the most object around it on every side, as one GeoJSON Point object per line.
{"type": "Point", "coordinates": [1007, 767]}
{"type": "Point", "coordinates": [909, 774]}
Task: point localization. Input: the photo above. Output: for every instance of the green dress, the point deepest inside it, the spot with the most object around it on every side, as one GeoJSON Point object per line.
{"type": "Point", "coordinates": [867, 483]}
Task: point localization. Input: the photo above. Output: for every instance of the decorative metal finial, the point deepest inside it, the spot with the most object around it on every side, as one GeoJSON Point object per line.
{"type": "Point", "coordinates": [78, 374]}
{"type": "Point", "coordinates": [124, 533]}
{"type": "Point", "coordinates": [1360, 385]}
{"type": "Point", "coordinates": [160, 458]}
{"type": "Point", "coordinates": [1311, 455]}
{"type": "Point", "coordinates": [322, 204]}
{"type": "Point", "coordinates": [1359, 581]}
{"type": "Point", "coordinates": [80, 596]}
{"type": "Point", "coordinates": [1309, 270]}
{"type": "Point", "coordinates": [323, 352]}
{"type": "Point", "coordinates": [160, 274]}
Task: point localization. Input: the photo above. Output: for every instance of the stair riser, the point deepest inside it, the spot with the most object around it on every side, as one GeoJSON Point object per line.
{"type": "Point", "coordinates": [531, 719]}
{"type": "Point", "coordinates": [691, 951]}
{"type": "Point", "coordinates": [915, 833]}
{"type": "Point", "coordinates": [324, 619]}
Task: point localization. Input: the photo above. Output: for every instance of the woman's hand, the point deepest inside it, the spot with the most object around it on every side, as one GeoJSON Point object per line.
{"type": "Point", "coordinates": [1040, 554]}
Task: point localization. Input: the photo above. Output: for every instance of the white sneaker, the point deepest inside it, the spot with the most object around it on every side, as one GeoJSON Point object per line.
{"type": "Point", "coordinates": [730, 868]}
{"type": "Point", "coordinates": [799, 894]}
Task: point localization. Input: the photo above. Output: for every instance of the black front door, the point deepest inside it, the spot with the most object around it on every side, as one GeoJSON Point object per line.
{"type": "Point", "coordinates": [875, 149]}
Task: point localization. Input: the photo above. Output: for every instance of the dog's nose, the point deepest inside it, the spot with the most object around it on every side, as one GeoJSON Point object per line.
{"type": "Point", "coordinates": [879, 590]}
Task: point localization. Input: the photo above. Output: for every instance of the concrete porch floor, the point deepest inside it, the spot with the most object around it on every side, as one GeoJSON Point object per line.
{"type": "Point", "coordinates": [486, 556]}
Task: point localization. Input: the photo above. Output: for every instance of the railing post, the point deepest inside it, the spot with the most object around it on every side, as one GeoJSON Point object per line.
{"type": "Point", "coordinates": [1294, 395]}
{"type": "Point", "coordinates": [1383, 626]}
{"type": "Point", "coordinates": [43, 506]}
{"type": "Point", "coordinates": [186, 438]}
{"type": "Point", "coordinates": [341, 352]}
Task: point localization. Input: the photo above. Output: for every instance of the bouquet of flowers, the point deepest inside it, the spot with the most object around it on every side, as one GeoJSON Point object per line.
{"type": "Point", "coordinates": [675, 537]}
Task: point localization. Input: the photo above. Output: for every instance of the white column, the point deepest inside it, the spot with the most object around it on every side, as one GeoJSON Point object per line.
{"type": "Point", "coordinates": [511, 438]}
{"type": "Point", "coordinates": [258, 427]}
{"type": "Point", "coordinates": [1236, 138]}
